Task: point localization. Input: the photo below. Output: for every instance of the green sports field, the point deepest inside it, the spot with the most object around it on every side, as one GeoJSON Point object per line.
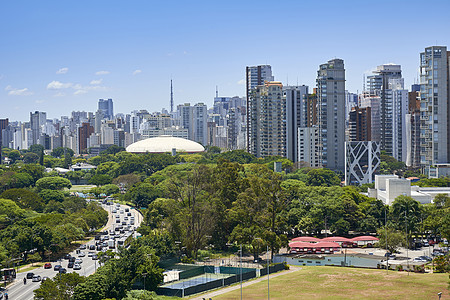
{"type": "Point", "coordinates": [346, 283]}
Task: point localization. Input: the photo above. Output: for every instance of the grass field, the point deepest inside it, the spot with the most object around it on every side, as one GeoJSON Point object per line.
{"type": "Point", "coordinates": [81, 188]}
{"type": "Point", "coordinates": [346, 283]}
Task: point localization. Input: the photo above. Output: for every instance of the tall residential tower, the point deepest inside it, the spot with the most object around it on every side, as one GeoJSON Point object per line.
{"type": "Point", "coordinates": [331, 114]}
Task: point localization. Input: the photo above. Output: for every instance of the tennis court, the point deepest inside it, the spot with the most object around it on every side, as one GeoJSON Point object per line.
{"type": "Point", "coordinates": [193, 281]}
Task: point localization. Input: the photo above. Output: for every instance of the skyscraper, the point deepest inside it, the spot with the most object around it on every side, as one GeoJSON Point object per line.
{"type": "Point", "coordinates": [106, 106]}
{"type": "Point", "coordinates": [378, 85]}
{"type": "Point", "coordinates": [266, 120]}
{"type": "Point", "coordinates": [84, 132]}
{"type": "Point", "coordinates": [331, 113]}
{"type": "Point", "coordinates": [37, 119]}
{"type": "Point", "coordinates": [434, 106]}
{"type": "Point", "coordinates": [255, 75]}
{"type": "Point", "coordinates": [296, 116]}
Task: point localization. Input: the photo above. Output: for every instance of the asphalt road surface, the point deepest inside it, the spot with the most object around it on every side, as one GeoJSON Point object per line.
{"type": "Point", "coordinates": [20, 291]}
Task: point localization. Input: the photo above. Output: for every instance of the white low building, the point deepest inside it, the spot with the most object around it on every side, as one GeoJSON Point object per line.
{"type": "Point", "coordinates": [389, 187]}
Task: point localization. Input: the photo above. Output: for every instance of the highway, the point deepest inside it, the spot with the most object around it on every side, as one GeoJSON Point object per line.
{"type": "Point", "coordinates": [20, 291]}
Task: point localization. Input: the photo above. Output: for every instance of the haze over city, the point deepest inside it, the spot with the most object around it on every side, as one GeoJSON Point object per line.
{"type": "Point", "coordinates": [63, 56]}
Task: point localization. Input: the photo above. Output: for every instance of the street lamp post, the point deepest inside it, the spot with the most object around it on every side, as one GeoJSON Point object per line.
{"type": "Point", "coordinates": [144, 275]}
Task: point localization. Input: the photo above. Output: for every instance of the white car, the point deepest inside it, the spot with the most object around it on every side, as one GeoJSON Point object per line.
{"type": "Point", "coordinates": [77, 267]}
{"type": "Point", "coordinates": [81, 254]}
{"type": "Point", "coordinates": [78, 261]}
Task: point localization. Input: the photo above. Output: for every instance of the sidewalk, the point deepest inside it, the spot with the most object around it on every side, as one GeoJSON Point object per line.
{"type": "Point", "coordinates": [237, 286]}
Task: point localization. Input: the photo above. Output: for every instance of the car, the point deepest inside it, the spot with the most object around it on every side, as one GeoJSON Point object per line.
{"type": "Point", "coordinates": [127, 209]}
{"type": "Point", "coordinates": [99, 247]}
{"type": "Point", "coordinates": [30, 275]}
{"type": "Point", "coordinates": [131, 222]}
{"type": "Point", "coordinates": [118, 221]}
{"type": "Point", "coordinates": [45, 278]}
{"type": "Point", "coordinates": [97, 238]}
{"type": "Point", "coordinates": [129, 214]}
{"type": "Point", "coordinates": [91, 247]}
{"type": "Point", "coordinates": [94, 257]}
{"type": "Point", "coordinates": [67, 256]}
{"type": "Point", "coordinates": [418, 259]}
{"type": "Point", "coordinates": [78, 261]}
{"type": "Point", "coordinates": [124, 223]}
{"type": "Point", "coordinates": [77, 267]}
{"type": "Point", "coordinates": [90, 253]}
{"type": "Point", "coordinates": [81, 254]}
{"type": "Point", "coordinates": [57, 267]}
{"type": "Point", "coordinates": [83, 247]}
{"type": "Point", "coordinates": [70, 264]}
{"type": "Point", "coordinates": [121, 212]}
{"type": "Point", "coordinates": [63, 271]}
{"type": "Point", "coordinates": [125, 218]}
{"type": "Point", "coordinates": [72, 259]}
{"type": "Point", "coordinates": [48, 266]}
{"type": "Point", "coordinates": [114, 211]}
{"type": "Point", "coordinates": [36, 278]}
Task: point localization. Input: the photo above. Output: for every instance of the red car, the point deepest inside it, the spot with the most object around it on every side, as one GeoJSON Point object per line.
{"type": "Point", "coordinates": [48, 266]}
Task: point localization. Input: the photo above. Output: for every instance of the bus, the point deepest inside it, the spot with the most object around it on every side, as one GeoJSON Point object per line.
{"type": "Point", "coordinates": [8, 274]}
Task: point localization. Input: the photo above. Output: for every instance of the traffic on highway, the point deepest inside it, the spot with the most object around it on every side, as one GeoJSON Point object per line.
{"type": "Point", "coordinates": [119, 231]}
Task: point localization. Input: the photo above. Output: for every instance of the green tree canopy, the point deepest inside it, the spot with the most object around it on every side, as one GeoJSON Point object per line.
{"type": "Point", "coordinates": [322, 177]}
{"type": "Point", "coordinates": [53, 183]}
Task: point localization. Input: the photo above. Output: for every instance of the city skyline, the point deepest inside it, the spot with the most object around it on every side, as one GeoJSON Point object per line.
{"type": "Point", "coordinates": [62, 57]}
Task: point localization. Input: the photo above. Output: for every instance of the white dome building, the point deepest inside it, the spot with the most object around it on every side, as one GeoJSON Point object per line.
{"type": "Point", "coordinates": [165, 143]}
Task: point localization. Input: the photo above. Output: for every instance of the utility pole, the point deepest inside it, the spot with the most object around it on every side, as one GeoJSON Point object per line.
{"type": "Point", "coordinates": [241, 267]}
{"type": "Point", "coordinates": [407, 241]}
{"type": "Point", "coordinates": [268, 273]}
{"type": "Point", "coordinates": [385, 228]}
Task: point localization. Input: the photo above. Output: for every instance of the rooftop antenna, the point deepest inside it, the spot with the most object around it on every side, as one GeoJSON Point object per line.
{"type": "Point", "coordinates": [171, 96]}
{"type": "Point", "coordinates": [364, 82]}
{"type": "Point", "coordinates": [287, 80]}
{"type": "Point", "coordinates": [217, 92]}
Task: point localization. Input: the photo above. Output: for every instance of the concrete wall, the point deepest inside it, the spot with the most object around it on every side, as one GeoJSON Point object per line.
{"type": "Point", "coordinates": [380, 181]}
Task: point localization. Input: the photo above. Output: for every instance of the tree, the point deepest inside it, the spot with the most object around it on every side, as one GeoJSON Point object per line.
{"type": "Point", "coordinates": [127, 180]}
{"type": "Point", "coordinates": [110, 189]}
{"type": "Point", "coordinates": [30, 158]}
{"type": "Point", "coordinates": [62, 152]}
{"type": "Point", "coordinates": [322, 177]}
{"type": "Point", "coordinates": [113, 149]}
{"type": "Point", "coordinates": [239, 156]}
{"type": "Point", "coordinates": [14, 155]}
{"type": "Point", "coordinates": [53, 183]}
{"type": "Point", "coordinates": [96, 191]}
{"type": "Point", "coordinates": [406, 212]}
{"type": "Point", "coordinates": [49, 195]}
{"type": "Point", "coordinates": [395, 239]}
{"type": "Point", "coordinates": [36, 148]}
{"type": "Point", "coordinates": [143, 194]}
{"type": "Point", "coordinates": [60, 287]}
{"type": "Point", "coordinates": [24, 199]}
{"type": "Point", "coordinates": [100, 179]}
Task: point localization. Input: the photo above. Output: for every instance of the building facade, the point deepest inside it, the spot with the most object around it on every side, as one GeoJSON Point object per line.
{"type": "Point", "coordinates": [331, 114]}
{"type": "Point", "coordinates": [434, 106]}
{"type": "Point", "coordinates": [266, 121]}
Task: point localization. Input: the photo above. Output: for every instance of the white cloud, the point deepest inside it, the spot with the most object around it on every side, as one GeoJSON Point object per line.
{"type": "Point", "coordinates": [80, 92]}
{"type": "Point", "coordinates": [137, 72]}
{"type": "Point", "coordinates": [102, 73]}
{"type": "Point", "coordinates": [59, 94]}
{"type": "Point", "coordinates": [62, 71]}
{"type": "Point", "coordinates": [57, 85]}
{"type": "Point", "coordinates": [96, 82]}
{"type": "Point", "coordinates": [18, 92]}
{"type": "Point", "coordinates": [39, 101]}
{"type": "Point", "coordinates": [241, 82]}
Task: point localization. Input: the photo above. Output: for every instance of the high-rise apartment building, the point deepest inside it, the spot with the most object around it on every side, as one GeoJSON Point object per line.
{"type": "Point", "coordinates": [359, 124]}
{"type": "Point", "coordinates": [106, 106]}
{"type": "Point", "coordinates": [378, 86]}
{"type": "Point", "coordinates": [37, 119]}
{"type": "Point", "coordinates": [434, 106]}
{"type": "Point", "coordinates": [255, 75]}
{"type": "Point", "coordinates": [84, 132]}
{"type": "Point", "coordinates": [331, 113]}
{"type": "Point", "coordinates": [413, 154]}
{"type": "Point", "coordinates": [296, 117]}
{"type": "Point", "coordinates": [266, 120]}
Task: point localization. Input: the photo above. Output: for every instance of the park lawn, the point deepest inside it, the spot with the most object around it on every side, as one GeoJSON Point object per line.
{"type": "Point", "coordinates": [346, 283]}
{"type": "Point", "coordinates": [81, 188]}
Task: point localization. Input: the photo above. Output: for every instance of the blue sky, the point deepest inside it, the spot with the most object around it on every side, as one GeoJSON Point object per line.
{"type": "Point", "coordinates": [60, 56]}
